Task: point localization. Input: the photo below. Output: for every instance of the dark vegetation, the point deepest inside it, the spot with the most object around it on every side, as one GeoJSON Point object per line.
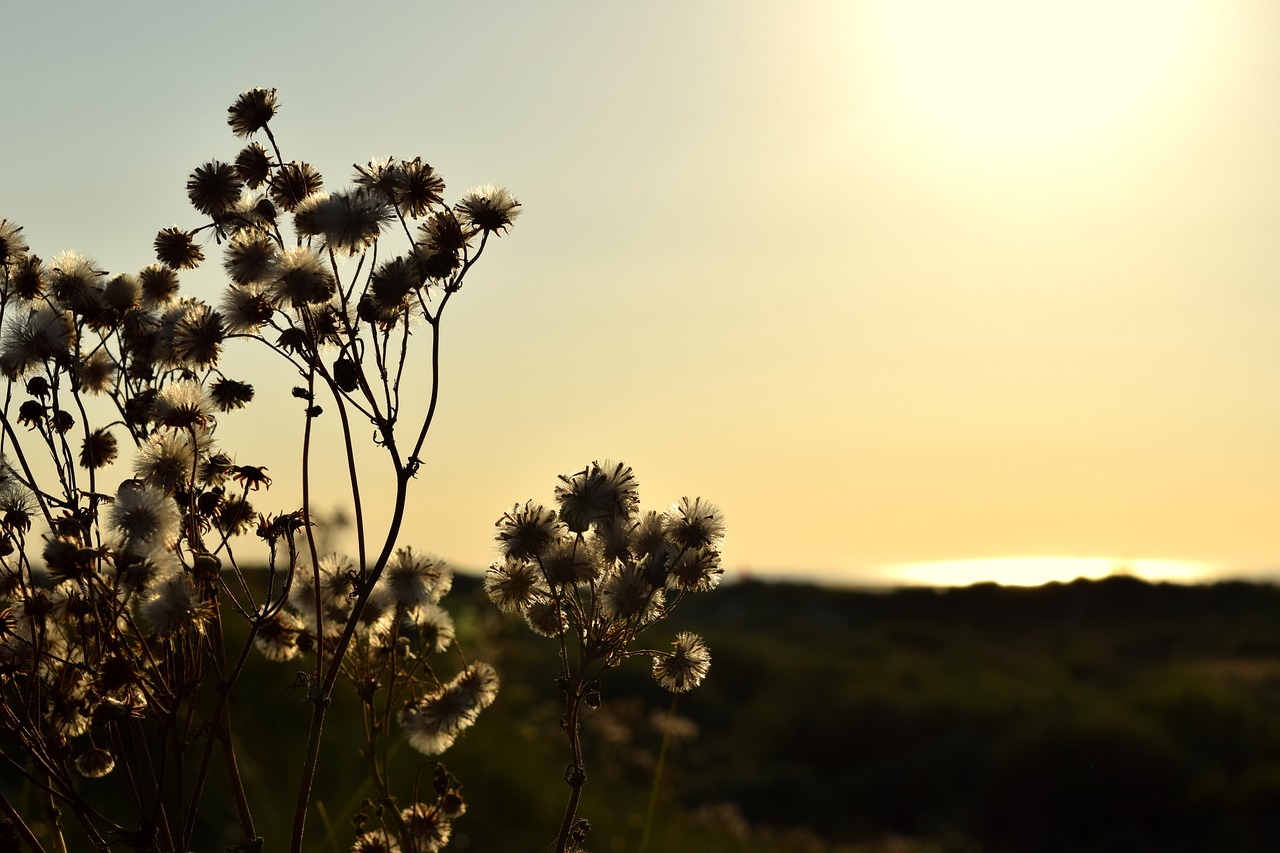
{"type": "Point", "coordinates": [1092, 716]}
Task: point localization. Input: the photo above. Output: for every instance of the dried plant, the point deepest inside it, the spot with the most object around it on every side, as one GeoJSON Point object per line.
{"type": "Point", "coordinates": [114, 609]}
{"type": "Point", "coordinates": [116, 658]}
{"type": "Point", "coordinates": [592, 575]}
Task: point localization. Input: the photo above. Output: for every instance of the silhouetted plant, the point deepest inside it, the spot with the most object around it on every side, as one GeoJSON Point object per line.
{"type": "Point", "coordinates": [592, 575]}
{"type": "Point", "coordinates": [113, 651]}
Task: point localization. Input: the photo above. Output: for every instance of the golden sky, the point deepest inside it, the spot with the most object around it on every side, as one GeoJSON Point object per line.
{"type": "Point", "coordinates": [891, 282]}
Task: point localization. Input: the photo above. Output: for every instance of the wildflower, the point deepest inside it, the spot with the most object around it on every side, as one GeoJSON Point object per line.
{"type": "Point", "coordinates": [176, 249]}
{"type": "Point", "coordinates": [16, 504]}
{"type": "Point", "coordinates": [122, 293]}
{"type": "Point", "coordinates": [412, 580]}
{"type": "Point", "coordinates": [251, 111]}
{"type": "Point", "coordinates": [377, 841]}
{"type": "Point", "coordinates": [66, 558]}
{"type": "Point", "coordinates": [599, 491]}
{"type": "Point", "coordinates": [181, 405]}
{"type": "Point", "coordinates": [489, 208]}
{"type": "Point", "coordinates": [95, 763]}
{"type": "Point", "coordinates": [216, 468]}
{"type": "Point", "coordinates": [685, 667]}
{"type": "Point", "coordinates": [450, 710]}
{"type": "Point", "coordinates": [249, 258]}
{"type": "Point", "coordinates": [422, 731]}
{"type": "Point", "coordinates": [277, 636]}
{"type": "Point", "coordinates": [31, 414]}
{"type": "Point", "coordinates": [435, 628]}
{"type": "Point", "coordinates": [34, 337]}
{"type": "Point", "coordinates": [252, 477]}
{"type": "Point", "coordinates": [392, 282]}
{"type": "Point", "coordinates": [355, 221]}
{"type": "Point", "coordinates": [545, 618]}
{"type": "Point", "coordinates": [428, 828]}
{"type": "Point", "coordinates": [253, 213]}
{"type": "Point", "coordinates": [198, 336]}
{"type": "Point", "coordinates": [627, 594]}
{"type": "Point", "coordinates": [173, 605]}
{"type": "Point", "coordinates": [570, 561]}
{"type": "Point", "coordinates": [612, 538]}
{"type": "Point", "coordinates": [13, 249]}
{"type": "Point", "coordinates": [28, 278]}
{"type": "Point", "coordinates": [299, 277]}
{"type": "Point", "coordinates": [292, 183]}
{"type": "Point", "coordinates": [442, 232]}
{"type": "Point", "coordinates": [145, 514]}
{"type": "Point", "coordinates": [378, 176]}
{"type": "Point", "coordinates": [62, 421]}
{"type": "Point", "coordinates": [98, 450]}
{"type": "Point", "coordinates": [96, 373]}
{"type": "Point", "coordinates": [142, 563]}
{"type": "Point", "coordinates": [229, 394]}
{"type": "Point", "coordinates": [417, 187]}
{"type": "Point", "coordinates": [478, 683]}
{"type": "Point", "coordinates": [377, 616]}
{"type": "Point", "coordinates": [513, 584]}
{"type": "Point", "coordinates": [166, 460]}
{"type": "Point", "coordinates": [309, 217]}
{"type": "Point", "coordinates": [74, 283]}
{"type": "Point", "coordinates": [253, 165]}
{"type": "Point", "coordinates": [235, 514]}
{"type": "Point", "coordinates": [213, 188]}
{"type": "Point", "coordinates": [525, 533]}
{"type": "Point", "coordinates": [695, 524]}
{"type": "Point", "coordinates": [695, 570]}
{"type": "Point", "coordinates": [336, 588]}
{"type": "Point", "coordinates": [245, 309]}
{"type": "Point", "coordinates": [159, 285]}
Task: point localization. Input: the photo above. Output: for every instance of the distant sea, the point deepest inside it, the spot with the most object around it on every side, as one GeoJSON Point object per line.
{"type": "Point", "coordinates": [1009, 571]}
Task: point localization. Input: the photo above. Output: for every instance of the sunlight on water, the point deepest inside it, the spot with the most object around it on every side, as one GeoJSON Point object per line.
{"type": "Point", "coordinates": [1032, 571]}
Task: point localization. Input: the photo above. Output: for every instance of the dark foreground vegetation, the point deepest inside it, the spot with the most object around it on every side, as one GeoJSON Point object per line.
{"type": "Point", "coordinates": [1091, 716]}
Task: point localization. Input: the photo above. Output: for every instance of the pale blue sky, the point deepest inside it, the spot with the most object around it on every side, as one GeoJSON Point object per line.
{"type": "Point", "coordinates": [888, 284]}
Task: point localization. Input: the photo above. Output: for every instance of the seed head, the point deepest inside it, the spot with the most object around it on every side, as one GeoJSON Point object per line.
{"type": "Point", "coordinates": [251, 111]}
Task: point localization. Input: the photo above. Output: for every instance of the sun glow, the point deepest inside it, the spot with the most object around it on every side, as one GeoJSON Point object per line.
{"type": "Point", "coordinates": [1012, 74]}
{"type": "Point", "coordinates": [1033, 571]}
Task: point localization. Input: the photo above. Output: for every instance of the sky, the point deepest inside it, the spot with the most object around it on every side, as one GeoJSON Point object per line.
{"type": "Point", "coordinates": [893, 282]}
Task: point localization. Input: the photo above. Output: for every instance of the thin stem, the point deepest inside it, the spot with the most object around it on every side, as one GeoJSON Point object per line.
{"type": "Point", "coordinates": [322, 696]}
{"type": "Point", "coordinates": [24, 831]}
{"type": "Point", "coordinates": [657, 774]}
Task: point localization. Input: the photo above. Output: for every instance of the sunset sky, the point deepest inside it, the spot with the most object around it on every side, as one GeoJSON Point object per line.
{"type": "Point", "coordinates": [892, 282]}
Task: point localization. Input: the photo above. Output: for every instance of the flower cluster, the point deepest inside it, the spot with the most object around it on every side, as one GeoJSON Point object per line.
{"type": "Point", "coordinates": [112, 612]}
{"type": "Point", "coordinates": [595, 572]}
{"type": "Point", "coordinates": [602, 571]}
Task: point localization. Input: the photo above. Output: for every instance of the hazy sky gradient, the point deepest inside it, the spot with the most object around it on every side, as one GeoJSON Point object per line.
{"type": "Point", "coordinates": [888, 282]}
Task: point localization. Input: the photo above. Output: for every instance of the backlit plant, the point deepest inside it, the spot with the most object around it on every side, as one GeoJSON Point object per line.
{"type": "Point", "coordinates": [118, 654]}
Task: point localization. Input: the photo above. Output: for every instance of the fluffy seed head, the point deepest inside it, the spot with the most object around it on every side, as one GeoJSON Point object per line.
{"type": "Point", "coordinates": [95, 763]}
{"type": "Point", "coordinates": [292, 183]}
{"type": "Point", "coordinates": [145, 515]}
{"type": "Point", "coordinates": [13, 248]}
{"type": "Point", "coordinates": [417, 187]}
{"type": "Point", "coordinates": [177, 249]}
{"type": "Point", "coordinates": [513, 585]}
{"type": "Point", "coordinates": [253, 165]}
{"type": "Point", "coordinates": [685, 667]}
{"type": "Point", "coordinates": [159, 286]}
{"type": "Point", "coordinates": [695, 523]}
{"type": "Point", "coordinates": [526, 532]}
{"type": "Point", "coordinates": [213, 188]}
{"type": "Point", "coordinates": [489, 208]}
{"type": "Point", "coordinates": [251, 111]}
{"type": "Point", "coordinates": [98, 449]}
{"type": "Point", "coordinates": [601, 490]}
